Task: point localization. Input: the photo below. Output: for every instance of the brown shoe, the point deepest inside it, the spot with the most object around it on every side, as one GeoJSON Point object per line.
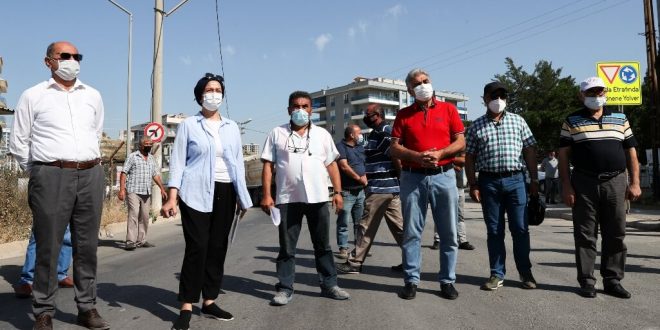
{"type": "Point", "coordinates": [92, 320]}
{"type": "Point", "coordinates": [67, 282]}
{"type": "Point", "coordinates": [342, 254]}
{"type": "Point", "coordinates": [23, 290]}
{"type": "Point", "coordinates": [43, 322]}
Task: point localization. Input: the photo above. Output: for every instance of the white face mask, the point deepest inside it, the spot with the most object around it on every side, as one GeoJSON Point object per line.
{"type": "Point", "coordinates": [212, 101]}
{"type": "Point", "coordinates": [496, 106]}
{"type": "Point", "coordinates": [595, 102]}
{"type": "Point", "coordinates": [68, 70]}
{"type": "Point", "coordinates": [423, 92]}
{"type": "Point", "coordinates": [360, 139]}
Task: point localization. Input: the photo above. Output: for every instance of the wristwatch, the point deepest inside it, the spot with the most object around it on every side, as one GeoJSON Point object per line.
{"type": "Point", "coordinates": [535, 180]}
{"type": "Point", "coordinates": [336, 192]}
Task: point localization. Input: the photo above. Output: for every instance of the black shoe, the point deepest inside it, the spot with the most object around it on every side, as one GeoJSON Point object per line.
{"type": "Point", "coordinates": [408, 292]}
{"type": "Point", "coordinates": [130, 246]}
{"type": "Point", "coordinates": [435, 246]}
{"type": "Point", "coordinates": [145, 244]}
{"type": "Point", "coordinates": [466, 246]}
{"type": "Point", "coordinates": [448, 291]}
{"type": "Point", "coordinates": [397, 268]}
{"type": "Point", "coordinates": [588, 291]}
{"type": "Point", "coordinates": [617, 291]}
{"type": "Point", "coordinates": [183, 322]}
{"type": "Point", "coordinates": [214, 312]}
{"type": "Point", "coordinates": [347, 268]}
{"type": "Point", "coordinates": [92, 320]}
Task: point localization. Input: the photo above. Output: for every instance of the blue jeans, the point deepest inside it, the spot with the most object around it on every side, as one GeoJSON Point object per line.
{"type": "Point", "coordinates": [500, 195]}
{"type": "Point", "coordinates": [418, 191]}
{"type": "Point", "coordinates": [353, 206]}
{"type": "Point", "coordinates": [63, 262]}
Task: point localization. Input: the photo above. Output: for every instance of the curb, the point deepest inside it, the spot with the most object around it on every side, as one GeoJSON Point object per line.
{"type": "Point", "coordinates": [631, 220]}
{"type": "Point", "coordinates": [17, 248]}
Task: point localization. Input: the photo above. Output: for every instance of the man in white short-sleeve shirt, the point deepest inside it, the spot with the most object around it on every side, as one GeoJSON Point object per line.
{"type": "Point", "coordinates": [300, 154]}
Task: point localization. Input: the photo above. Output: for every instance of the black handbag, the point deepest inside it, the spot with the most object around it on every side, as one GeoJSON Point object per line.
{"type": "Point", "coordinates": [535, 211]}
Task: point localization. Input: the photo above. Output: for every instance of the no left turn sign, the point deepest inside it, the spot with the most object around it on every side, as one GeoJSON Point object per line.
{"type": "Point", "coordinates": [154, 131]}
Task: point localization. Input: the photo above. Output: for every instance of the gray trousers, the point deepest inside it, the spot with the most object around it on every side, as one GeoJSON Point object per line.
{"type": "Point", "coordinates": [59, 197]}
{"type": "Point", "coordinates": [460, 225]}
{"type": "Point", "coordinates": [138, 217]}
{"type": "Point", "coordinates": [599, 204]}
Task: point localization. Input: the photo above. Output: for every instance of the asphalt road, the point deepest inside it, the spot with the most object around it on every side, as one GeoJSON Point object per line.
{"type": "Point", "coordinates": [137, 290]}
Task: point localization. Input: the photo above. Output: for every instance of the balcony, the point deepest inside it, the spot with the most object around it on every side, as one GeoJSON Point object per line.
{"type": "Point", "coordinates": [375, 98]}
{"type": "Point", "coordinates": [318, 121]}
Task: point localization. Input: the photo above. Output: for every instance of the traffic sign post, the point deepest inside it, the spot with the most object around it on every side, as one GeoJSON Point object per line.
{"type": "Point", "coordinates": [154, 131]}
{"type": "Point", "coordinates": [624, 86]}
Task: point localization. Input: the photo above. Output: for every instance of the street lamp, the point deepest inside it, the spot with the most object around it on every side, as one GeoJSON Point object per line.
{"type": "Point", "coordinates": [128, 84]}
{"type": "Point", "coordinates": [241, 125]}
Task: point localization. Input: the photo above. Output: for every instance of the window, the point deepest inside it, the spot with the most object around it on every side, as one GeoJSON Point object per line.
{"type": "Point", "coordinates": [332, 101]}
{"type": "Point", "coordinates": [332, 115]}
{"type": "Point", "coordinates": [347, 113]}
{"type": "Point", "coordinates": [332, 129]}
{"type": "Point", "coordinates": [345, 98]}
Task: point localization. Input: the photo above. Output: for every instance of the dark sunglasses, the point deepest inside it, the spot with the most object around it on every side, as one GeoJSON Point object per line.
{"type": "Point", "coordinates": [594, 91]}
{"type": "Point", "coordinates": [498, 94]}
{"type": "Point", "coordinates": [211, 76]}
{"type": "Point", "coordinates": [369, 115]}
{"type": "Point", "coordinates": [68, 56]}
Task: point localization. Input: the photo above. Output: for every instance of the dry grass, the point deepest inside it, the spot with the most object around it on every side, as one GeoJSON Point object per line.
{"type": "Point", "coordinates": [15, 214]}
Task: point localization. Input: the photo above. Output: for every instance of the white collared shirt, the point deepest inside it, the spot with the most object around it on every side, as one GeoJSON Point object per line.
{"type": "Point", "coordinates": [51, 123]}
{"type": "Point", "coordinates": [301, 174]}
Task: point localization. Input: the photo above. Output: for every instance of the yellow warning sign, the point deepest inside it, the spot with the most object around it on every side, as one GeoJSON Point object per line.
{"type": "Point", "coordinates": [623, 81]}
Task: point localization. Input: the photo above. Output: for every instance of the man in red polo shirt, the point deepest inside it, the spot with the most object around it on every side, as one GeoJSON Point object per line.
{"type": "Point", "coordinates": [426, 137]}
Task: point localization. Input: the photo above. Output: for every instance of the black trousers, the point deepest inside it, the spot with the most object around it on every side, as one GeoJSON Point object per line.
{"type": "Point", "coordinates": [599, 204]}
{"type": "Point", "coordinates": [207, 237]}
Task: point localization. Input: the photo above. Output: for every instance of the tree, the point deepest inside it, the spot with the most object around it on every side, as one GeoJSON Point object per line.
{"type": "Point", "coordinates": [543, 98]}
{"type": "Point", "coordinates": [641, 121]}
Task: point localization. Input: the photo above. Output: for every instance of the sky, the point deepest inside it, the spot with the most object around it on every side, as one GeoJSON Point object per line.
{"type": "Point", "coordinates": [271, 48]}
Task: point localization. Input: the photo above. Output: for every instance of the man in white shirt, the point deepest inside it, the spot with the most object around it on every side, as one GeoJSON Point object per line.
{"type": "Point", "coordinates": [299, 153]}
{"type": "Point", "coordinates": [55, 137]}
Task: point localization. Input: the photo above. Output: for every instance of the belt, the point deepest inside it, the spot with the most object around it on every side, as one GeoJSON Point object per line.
{"type": "Point", "coordinates": [499, 174]}
{"type": "Point", "coordinates": [430, 171]}
{"type": "Point", "coordinates": [603, 176]}
{"type": "Point", "coordinates": [69, 164]}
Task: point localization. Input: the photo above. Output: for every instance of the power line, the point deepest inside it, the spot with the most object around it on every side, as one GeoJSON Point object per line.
{"type": "Point", "coordinates": [222, 64]}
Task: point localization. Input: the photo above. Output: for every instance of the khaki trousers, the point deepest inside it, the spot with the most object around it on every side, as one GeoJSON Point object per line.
{"type": "Point", "coordinates": [375, 207]}
{"type": "Point", "coordinates": [138, 217]}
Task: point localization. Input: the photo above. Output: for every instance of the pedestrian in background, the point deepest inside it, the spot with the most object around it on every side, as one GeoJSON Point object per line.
{"type": "Point", "coordinates": [550, 166]}
{"type": "Point", "coordinates": [23, 289]}
{"type": "Point", "coordinates": [207, 178]}
{"type": "Point", "coordinates": [461, 232]}
{"type": "Point", "coordinates": [382, 198]}
{"type": "Point", "coordinates": [56, 137]}
{"type": "Point", "coordinates": [299, 153]}
{"type": "Point", "coordinates": [135, 187]}
{"type": "Point", "coordinates": [601, 146]}
{"type": "Point", "coordinates": [353, 180]}
{"type": "Point", "coordinates": [426, 137]}
{"type": "Point", "coordinates": [497, 142]}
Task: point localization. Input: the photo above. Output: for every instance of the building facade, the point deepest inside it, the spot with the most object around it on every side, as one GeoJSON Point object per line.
{"type": "Point", "coordinates": [336, 108]}
{"type": "Point", "coordinates": [170, 123]}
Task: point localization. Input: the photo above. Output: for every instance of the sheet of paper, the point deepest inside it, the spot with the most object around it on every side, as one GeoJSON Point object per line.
{"type": "Point", "coordinates": [275, 215]}
{"type": "Point", "coordinates": [234, 226]}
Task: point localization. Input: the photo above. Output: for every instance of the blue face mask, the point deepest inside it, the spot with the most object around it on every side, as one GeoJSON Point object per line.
{"type": "Point", "coordinates": [299, 117]}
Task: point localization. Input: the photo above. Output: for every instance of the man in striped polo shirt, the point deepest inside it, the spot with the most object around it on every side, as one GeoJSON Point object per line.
{"type": "Point", "coordinates": [497, 142]}
{"type": "Point", "coordinates": [382, 192]}
{"type": "Point", "coordinates": [600, 145]}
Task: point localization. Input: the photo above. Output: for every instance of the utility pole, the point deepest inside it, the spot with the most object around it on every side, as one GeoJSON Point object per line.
{"type": "Point", "coordinates": [653, 79]}
{"type": "Point", "coordinates": [241, 125]}
{"type": "Point", "coordinates": [157, 85]}
{"type": "Point", "coordinates": [128, 83]}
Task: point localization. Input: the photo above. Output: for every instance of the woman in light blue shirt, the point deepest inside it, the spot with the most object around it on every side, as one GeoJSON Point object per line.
{"type": "Point", "coordinates": [207, 178]}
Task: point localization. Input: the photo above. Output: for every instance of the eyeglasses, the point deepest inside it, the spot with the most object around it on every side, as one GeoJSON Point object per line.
{"type": "Point", "coordinates": [498, 95]}
{"type": "Point", "coordinates": [211, 76]}
{"type": "Point", "coordinates": [292, 148]}
{"type": "Point", "coordinates": [594, 91]}
{"type": "Point", "coordinates": [68, 56]}
{"type": "Point", "coordinates": [369, 115]}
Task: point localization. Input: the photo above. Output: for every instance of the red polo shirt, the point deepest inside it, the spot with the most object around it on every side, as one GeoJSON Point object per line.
{"type": "Point", "coordinates": [421, 130]}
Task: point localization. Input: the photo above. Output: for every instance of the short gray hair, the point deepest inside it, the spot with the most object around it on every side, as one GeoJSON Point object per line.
{"type": "Point", "coordinates": [414, 73]}
{"type": "Point", "coordinates": [51, 49]}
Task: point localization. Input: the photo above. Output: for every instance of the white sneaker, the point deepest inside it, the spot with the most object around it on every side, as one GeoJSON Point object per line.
{"type": "Point", "coordinates": [281, 298]}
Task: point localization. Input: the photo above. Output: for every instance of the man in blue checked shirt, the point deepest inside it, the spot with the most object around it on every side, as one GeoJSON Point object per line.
{"type": "Point", "coordinates": [496, 143]}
